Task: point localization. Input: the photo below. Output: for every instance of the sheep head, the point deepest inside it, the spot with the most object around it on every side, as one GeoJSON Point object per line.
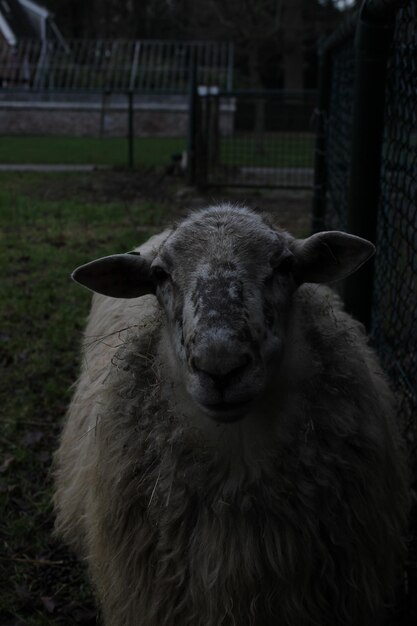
{"type": "Point", "coordinates": [225, 281]}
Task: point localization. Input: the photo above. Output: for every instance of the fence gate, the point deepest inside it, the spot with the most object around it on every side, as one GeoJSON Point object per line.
{"type": "Point", "coordinates": [254, 139]}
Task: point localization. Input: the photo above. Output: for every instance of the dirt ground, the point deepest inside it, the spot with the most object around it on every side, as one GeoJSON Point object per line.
{"type": "Point", "coordinates": [290, 209]}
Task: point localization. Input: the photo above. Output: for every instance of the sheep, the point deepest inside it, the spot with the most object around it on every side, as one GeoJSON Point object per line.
{"type": "Point", "coordinates": [230, 455]}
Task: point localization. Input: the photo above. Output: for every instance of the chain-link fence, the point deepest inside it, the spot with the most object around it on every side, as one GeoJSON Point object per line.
{"type": "Point", "coordinates": [394, 313]}
{"type": "Point", "coordinates": [377, 51]}
{"type": "Point", "coordinates": [339, 134]}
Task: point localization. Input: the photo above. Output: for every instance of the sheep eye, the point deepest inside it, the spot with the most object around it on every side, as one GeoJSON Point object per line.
{"type": "Point", "coordinates": [282, 264]}
{"type": "Point", "coordinates": [268, 280]}
{"type": "Point", "coordinates": [159, 274]}
{"type": "Point", "coordinates": [285, 265]}
{"type": "Point", "coordinates": [282, 267]}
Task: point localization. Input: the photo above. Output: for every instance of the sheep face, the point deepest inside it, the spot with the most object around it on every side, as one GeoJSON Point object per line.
{"type": "Point", "coordinates": [225, 280]}
{"type": "Point", "coordinates": [225, 284]}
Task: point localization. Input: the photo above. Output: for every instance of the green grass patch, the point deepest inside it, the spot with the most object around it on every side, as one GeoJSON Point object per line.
{"type": "Point", "coordinates": [292, 150]}
{"type": "Point", "coordinates": [270, 150]}
{"type": "Point", "coordinates": [150, 151]}
{"type": "Point", "coordinates": [42, 314]}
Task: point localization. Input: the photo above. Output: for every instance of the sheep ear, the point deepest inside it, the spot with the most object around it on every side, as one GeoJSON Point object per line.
{"type": "Point", "coordinates": [119, 275]}
{"type": "Point", "coordinates": [329, 256]}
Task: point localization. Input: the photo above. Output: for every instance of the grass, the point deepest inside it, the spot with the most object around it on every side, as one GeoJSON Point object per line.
{"type": "Point", "coordinates": [41, 319]}
{"type": "Point", "coordinates": [151, 151]}
{"type": "Point", "coordinates": [272, 150]}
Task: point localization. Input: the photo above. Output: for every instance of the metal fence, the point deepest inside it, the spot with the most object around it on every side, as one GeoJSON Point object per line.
{"type": "Point", "coordinates": [145, 66]}
{"type": "Point", "coordinates": [253, 139]}
{"type": "Point", "coordinates": [137, 86]}
{"type": "Point", "coordinates": [366, 181]}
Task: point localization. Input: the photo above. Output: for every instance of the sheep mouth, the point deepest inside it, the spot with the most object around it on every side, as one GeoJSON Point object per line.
{"type": "Point", "coordinates": [227, 412]}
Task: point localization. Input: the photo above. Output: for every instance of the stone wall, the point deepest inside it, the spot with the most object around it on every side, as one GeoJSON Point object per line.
{"type": "Point", "coordinates": [100, 118]}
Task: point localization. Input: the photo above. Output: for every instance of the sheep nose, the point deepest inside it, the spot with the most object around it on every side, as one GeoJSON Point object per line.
{"type": "Point", "coordinates": [222, 369]}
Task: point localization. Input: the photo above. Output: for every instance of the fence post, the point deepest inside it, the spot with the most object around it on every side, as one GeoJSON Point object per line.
{"type": "Point", "coordinates": [192, 123]}
{"type": "Point", "coordinates": [320, 169]}
{"type": "Point", "coordinates": [130, 131]}
{"type": "Point", "coordinates": [374, 36]}
{"type": "Point", "coordinates": [105, 98]}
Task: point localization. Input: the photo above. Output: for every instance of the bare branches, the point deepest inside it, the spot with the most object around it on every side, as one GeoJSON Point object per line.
{"type": "Point", "coordinates": [247, 20]}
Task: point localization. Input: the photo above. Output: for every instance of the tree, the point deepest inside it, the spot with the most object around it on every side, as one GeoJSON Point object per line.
{"type": "Point", "coordinates": [124, 19]}
{"type": "Point", "coordinates": [250, 24]}
{"type": "Point", "coordinates": [262, 31]}
{"type": "Point", "coordinates": [273, 38]}
{"type": "Point", "coordinates": [292, 45]}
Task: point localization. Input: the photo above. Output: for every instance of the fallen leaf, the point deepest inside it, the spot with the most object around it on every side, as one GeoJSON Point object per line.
{"type": "Point", "coordinates": [23, 355]}
{"type": "Point", "coordinates": [6, 487]}
{"type": "Point", "coordinates": [22, 592]}
{"type": "Point", "coordinates": [48, 603]}
{"type": "Point", "coordinates": [6, 462]}
{"type": "Point", "coordinates": [81, 614]}
{"type": "Point", "coordinates": [44, 456]}
{"type": "Point", "coordinates": [85, 616]}
{"type": "Point", "coordinates": [21, 504]}
{"type": "Point", "coordinates": [32, 437]}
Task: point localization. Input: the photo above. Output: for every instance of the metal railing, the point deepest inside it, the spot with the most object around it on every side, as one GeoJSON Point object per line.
{"type": "Point", "coordinates": [144, 66]}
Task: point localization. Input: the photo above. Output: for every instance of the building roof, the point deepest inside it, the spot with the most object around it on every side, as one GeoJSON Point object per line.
{"type": "Point", "coordinates": [25, 19]}
{"type": "Point", "coordinates": [14, 22]}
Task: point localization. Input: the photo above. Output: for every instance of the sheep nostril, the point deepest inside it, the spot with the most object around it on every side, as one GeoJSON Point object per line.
{"type": "Point", "coordinates": [221, 371]}
{"type": "Point", "coordinates": [242, 364]}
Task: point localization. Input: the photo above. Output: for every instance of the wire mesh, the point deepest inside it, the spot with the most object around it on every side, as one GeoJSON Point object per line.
{"type": "Point", "coordinates": [339, 133]}
{"type": "Point", "coordinates": [394, 319]}
{"type": "Point", "coordinates": [394, 310]}
{"type": "Point", "coordinates": [395, 293]}
{"type": "Point", "coordinates": [257, 139]}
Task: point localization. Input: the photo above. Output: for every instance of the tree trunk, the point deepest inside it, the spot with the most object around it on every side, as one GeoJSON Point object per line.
{"type": "Point", "coordinates": [255, 81]}
{"type": "Point", "coordinates": [292, 34]}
